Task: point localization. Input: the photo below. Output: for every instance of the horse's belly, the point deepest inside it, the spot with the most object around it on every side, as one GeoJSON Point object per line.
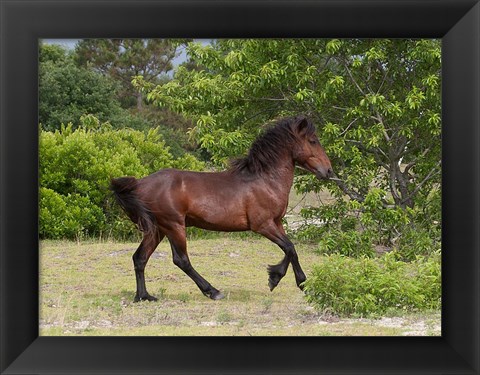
{"type": "Point", "coordinates": [217, 223]}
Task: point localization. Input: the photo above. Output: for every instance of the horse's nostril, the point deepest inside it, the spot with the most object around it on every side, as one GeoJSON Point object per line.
{"type": "Point", "coordinates": [329, 172]}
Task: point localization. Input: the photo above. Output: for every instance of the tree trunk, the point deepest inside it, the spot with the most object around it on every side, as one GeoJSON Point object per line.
{"type": "Point", "coordinates": [405, 199]}
{"type": "Point", "coordinates": [139, 101]}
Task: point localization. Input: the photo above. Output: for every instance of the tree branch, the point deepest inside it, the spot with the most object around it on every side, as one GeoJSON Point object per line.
{"type": "Point", "coordinates": [379, 118]}
{"type": "Point", "coordinates": [351, 193]}
{"type": "Point", "coordinates": [430, 175]}
{"type": "Point", "coordinates": [383, 81]}
{"type": "Point", "coordinates": [374, 152]}
{"type": "Point", "coordinates": [353, 79]}
{"type": "Point", "coordinates": [348, 127]}
{"type": "Point", "coordinates": [414, 161]}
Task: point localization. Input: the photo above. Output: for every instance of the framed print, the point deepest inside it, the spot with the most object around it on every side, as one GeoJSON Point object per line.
{"type": "Point", "coordinates": [24, 23]}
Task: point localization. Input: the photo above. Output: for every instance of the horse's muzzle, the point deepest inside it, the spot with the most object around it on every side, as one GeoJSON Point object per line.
{"type": "Point", "coordinates": [324, 173]}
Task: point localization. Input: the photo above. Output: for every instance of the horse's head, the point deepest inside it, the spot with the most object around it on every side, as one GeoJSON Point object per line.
{"type": "Point", "coordinates": [308, 153]}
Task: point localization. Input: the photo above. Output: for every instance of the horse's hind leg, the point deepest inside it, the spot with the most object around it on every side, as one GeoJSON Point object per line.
{"type": "Point", "coordinates": [275, 233]}
{"type": "Point", "coordinates": [178, 243]}
{"type": "Point", "coordinates": [140, 259]}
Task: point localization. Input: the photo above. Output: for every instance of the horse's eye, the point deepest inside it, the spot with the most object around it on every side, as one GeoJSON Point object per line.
{"type": "Point", "coordinates": [313, 141]}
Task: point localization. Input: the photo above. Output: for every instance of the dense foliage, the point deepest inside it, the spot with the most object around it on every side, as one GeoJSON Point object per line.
{"type": "Point", "coordinates": [75, 171]}
{"type": "Point", "coordinates": [122, 59]}
{"type": "Point", "coordinates": [70, 87]}
{"type": "Point", "coordinates": [66, 92]}
{"type": "Point", "coordinates": [373, 287]}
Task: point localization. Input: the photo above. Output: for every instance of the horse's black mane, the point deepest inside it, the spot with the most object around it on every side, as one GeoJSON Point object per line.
{"type": "Point", "coordinates": [270, 146]}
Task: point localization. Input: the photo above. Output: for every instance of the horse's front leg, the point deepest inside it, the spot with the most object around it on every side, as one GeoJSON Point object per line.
{"type": "Point", "coordinates": [275, 233]}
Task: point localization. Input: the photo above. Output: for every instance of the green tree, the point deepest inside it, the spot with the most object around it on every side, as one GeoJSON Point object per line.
{"type": "Point", "coordinates": [376, 104]}
{"type": "Point", "coordinates": [122, 59]}
{"type": "Point", "coordinates": [66, 92]}
{"type": "Point", "coordinates": [52, 52]}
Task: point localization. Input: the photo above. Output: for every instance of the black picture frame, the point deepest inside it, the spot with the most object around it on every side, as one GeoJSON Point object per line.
{"type": "Point", "coordinates": [22, 23]}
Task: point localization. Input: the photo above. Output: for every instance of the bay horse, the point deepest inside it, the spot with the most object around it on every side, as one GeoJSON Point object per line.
{"type": "Point", "coordinates": [251, 195]}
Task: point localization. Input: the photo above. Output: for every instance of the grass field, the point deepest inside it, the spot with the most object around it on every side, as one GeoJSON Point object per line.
{"type": "Point", "coordinates": [88, 288]}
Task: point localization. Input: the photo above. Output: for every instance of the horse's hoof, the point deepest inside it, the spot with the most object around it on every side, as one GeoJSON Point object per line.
{"type": "Point", "coordinates": [301, 284]}
{"type": "Point", "coordinates": [272, 285]}
{"type": "Point", "coordinates": [146, 297]}
{"type": "Point", "coordinates": [273, 278]}
{"type": "Point", "coordinates": [216, 295]}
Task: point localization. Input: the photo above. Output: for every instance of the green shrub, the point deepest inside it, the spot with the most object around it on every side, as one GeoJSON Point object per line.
{"type": "Point", "coordinates": [372, 287]}
{"type": "Point", "coordinates": [349, 243]}
{"type": "Point", "coordinates": [75, 171]}
{"type": "Point", "coordinates": [70, 216]}
{"type": "Point", "coordinates": [307, 232]}
{"type": "Point", "coordinates": [415, 241]}
{"type": "Point", "coordinates": [354, 228]}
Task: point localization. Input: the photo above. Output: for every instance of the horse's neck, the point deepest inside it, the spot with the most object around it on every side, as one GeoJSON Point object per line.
{"type": "Point", "coordinates": [281, 179]}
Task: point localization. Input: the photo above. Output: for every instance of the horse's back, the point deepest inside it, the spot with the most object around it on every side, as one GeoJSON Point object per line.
{"type": "Point", "coordinates": [185, 182]}
{"type": "Point", "coordinates": [209, 200]}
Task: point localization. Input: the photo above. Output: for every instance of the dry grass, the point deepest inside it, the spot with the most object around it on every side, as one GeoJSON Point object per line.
{"type": "Point", "coordinates": [88, 289]}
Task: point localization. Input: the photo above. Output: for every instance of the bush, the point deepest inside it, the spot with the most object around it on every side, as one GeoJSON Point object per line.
{"type": "Point", "coordinates": [71, 216]}
{"type": "Point", "coordinates": [75, 171]}
{"type": "Point", "coordinates": [349, 243]}
{"type": "Point", "coordinates": [372, 287]}
{"type": "Point", "coordinates": [354, 228]}
{"type": "Point", "coordinates": [415, 241]}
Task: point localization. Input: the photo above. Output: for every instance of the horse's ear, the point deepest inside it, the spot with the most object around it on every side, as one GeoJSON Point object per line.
{"type": "Point", "coordinates": [302, 125]}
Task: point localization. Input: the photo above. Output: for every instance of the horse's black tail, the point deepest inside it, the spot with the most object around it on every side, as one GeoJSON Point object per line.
{"type": "Point", "coordinates": [124, 190]}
